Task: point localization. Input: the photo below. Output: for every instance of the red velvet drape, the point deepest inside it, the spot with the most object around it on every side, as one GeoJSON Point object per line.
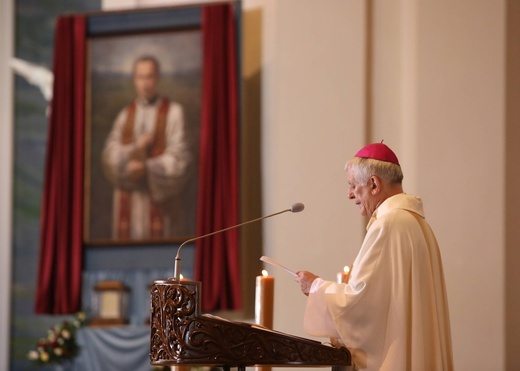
{"type": "Point", "coordinates": [58, 289]}
{"type": "Point", "coordinates": [217, 257]}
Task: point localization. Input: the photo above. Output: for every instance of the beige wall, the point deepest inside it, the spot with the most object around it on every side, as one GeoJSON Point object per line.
{"type": "Point", "coordinates": [461, 59]}
{"type": "Point", "coordinates": [429, 78]}
{"type": "Point", "coordinates": [457, 79]}
{"type": "Point", "coordinates": [313, 110]}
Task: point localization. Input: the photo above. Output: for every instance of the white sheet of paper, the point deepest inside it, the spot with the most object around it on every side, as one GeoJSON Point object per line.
{"type": "Point", "coordinates": [272, 262]}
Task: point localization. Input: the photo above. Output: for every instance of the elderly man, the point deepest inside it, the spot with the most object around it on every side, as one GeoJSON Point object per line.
{"type": "Point", "coordinates": [146, 158]}
{"type": "Point", "coordinates": [393, 312]}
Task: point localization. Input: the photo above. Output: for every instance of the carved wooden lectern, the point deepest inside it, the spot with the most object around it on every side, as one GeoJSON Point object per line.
{"type": "Point", "coordinates": [180, 335]}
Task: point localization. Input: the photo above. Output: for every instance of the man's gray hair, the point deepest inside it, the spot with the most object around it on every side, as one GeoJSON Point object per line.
{"type": "Point", "coordinates": [364, 168]}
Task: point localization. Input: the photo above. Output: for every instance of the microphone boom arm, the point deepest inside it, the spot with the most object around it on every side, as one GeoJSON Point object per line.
{"type": "Point", "coordinates": [177, 266]}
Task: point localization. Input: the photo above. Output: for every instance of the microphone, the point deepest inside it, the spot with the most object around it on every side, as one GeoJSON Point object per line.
{"type": "Point", "coordinates": [295, 208]}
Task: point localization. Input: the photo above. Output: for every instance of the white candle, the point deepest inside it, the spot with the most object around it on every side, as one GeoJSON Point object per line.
{"type": "Point", "coordinates": [343, 276]}
{"type": "Point", "coordinates": [264, 300]}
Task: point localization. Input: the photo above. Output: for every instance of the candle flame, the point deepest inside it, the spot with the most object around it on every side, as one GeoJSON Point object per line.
{"type": "Point", "coordinates": [346, 269]}
{"type": "Point", "coordinates": [264, 273]}
{"type": "Point", "coordinates": [181, 277]}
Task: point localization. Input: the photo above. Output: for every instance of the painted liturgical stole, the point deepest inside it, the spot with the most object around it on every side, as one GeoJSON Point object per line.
{"type": "Point", "coordinates": [157, 148]}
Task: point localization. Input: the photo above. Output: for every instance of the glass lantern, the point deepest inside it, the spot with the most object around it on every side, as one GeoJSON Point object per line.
{"type": "Point", "coordinates": [110, 301]}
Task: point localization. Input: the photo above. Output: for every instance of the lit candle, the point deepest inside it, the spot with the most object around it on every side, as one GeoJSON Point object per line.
{"type": "Point", "coordinates": [343, 276]}
{"type": "Point", "coordinates": [264, 300]}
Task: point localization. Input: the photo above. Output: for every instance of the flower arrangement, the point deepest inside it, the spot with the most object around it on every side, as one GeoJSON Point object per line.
{"type": "Point", "coordinates": [60, 344]}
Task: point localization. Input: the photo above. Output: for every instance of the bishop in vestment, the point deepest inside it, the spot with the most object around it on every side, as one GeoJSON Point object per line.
{"type": "Point", "coordinates": [393, 312]}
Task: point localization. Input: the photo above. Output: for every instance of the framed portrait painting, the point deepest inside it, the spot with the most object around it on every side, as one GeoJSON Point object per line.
{"type": "Point", "coordinates": [142, 127]}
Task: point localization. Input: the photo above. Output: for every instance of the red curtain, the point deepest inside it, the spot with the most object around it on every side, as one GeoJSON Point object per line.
{"type": "Point", "coordinates": [58, 288]}
{"type": "Point", "coordinates": [217, 257]}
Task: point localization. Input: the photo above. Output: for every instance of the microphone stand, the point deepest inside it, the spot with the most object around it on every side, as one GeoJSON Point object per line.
{"type": "Point", "coordinates": [177, 265]}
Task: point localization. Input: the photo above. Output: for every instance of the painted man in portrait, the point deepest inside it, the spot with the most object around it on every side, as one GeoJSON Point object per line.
{"type": "Point", "coordinates": [147, 159]}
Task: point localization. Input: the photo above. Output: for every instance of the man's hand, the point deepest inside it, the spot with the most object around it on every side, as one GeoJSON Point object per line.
{"type": "Point", "coordinates": [135, 169]}
{"type": "Point", "coordinates": [144, 141]}
{"type": "Point", "coordinates": [141, 148]}
{"type": "Point", "coordinates": [305, 279]}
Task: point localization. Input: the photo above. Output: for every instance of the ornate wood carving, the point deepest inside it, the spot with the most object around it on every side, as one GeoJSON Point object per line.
{"type": "Point", "coordinates": [180, 335]}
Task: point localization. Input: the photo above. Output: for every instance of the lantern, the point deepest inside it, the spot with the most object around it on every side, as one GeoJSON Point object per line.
{"type": "Point", "coordinates": [110, 301]}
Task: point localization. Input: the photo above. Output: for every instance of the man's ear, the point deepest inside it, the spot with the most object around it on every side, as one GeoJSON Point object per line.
{"type": "Point", "coordinates": [375, 185]}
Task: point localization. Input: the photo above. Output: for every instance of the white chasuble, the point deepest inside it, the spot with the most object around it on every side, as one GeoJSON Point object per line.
{"type": "Point", "coordinates": [393, 313]}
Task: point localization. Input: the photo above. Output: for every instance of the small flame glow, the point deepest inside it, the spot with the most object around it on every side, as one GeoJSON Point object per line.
{"type": "Point", "coordinates": [346, 269]}
{"type": "Point", "coordinates": [264, 273]}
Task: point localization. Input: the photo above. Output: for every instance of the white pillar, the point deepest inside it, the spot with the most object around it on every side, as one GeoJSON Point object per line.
{"type": "Point", "coordinates": [6, 169]}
